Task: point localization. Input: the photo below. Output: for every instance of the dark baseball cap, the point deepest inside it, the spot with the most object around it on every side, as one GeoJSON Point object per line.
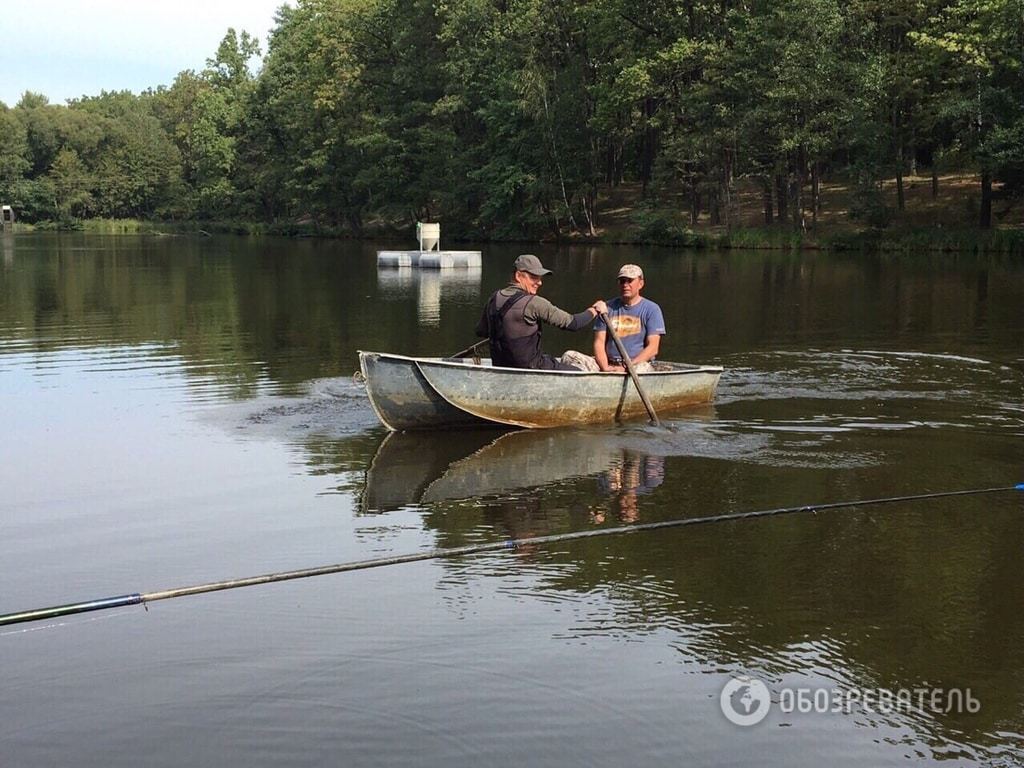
{"type": "Point", "coordinates": [530, 263]}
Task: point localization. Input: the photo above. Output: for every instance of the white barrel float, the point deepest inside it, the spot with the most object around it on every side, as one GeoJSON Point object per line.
{"type": "Point", "coordinates": [429, 236]}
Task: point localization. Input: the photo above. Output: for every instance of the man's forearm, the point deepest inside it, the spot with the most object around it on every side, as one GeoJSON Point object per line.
{"type": "Point", "coordinates": [581, 320]}
{"type": "Point", "coordinates": [600, 353]}
{"type": "Point", "coordinates": [649, 352]}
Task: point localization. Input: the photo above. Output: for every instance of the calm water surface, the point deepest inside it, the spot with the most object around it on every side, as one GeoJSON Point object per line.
{"type": "Point", "coordinates": [176, 411]}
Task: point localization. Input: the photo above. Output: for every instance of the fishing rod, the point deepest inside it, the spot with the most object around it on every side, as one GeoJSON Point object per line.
{"type": "Point", "coordinates": [137, 598]}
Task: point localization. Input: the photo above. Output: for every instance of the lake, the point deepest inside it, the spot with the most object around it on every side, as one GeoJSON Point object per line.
{"type": "Point", "coordinates": [183, 410]}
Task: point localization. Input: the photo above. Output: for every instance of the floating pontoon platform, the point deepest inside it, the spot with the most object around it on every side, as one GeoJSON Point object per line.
{"type": "Point", "coordinates": [429, 255]}
{"type": "Point", "coordinates": [429, 259]}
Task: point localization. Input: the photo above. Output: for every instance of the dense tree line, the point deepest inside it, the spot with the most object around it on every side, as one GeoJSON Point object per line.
{"type": "Point", "coordinates": [509, 117]}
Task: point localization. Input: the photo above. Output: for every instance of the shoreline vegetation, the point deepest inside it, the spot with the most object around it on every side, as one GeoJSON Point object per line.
{"type": "Point", "coordinates": [934, 220]}
{"type": "Point", "coordinates": [793, 124]}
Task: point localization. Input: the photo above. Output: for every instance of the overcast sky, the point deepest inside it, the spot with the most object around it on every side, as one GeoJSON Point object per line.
{"type": "Point", "coordinates": [70, 48]}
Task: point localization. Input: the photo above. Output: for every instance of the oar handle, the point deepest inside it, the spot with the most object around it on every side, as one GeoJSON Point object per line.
{"type": "Point", "coordinates": [471, 349]}
{"type": "Point", "coordinates": [632, 371]}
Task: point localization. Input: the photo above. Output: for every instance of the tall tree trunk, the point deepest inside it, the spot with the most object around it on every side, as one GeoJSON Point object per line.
{"type": "Point", "coordinates": [798, 191]}
{"type": "Point", "coordinates": [551, 213]}
{"type": "Point", "coordinates": [897, 140]}
{"type": "Point", "coordinates": [815, 194]}
{"type": "Point", "coordinates": [649, 148]}
{"type": "Point", "coordinates": [900, 199]}
{"type": "Point", "coordinates": [935, 182]}
{"type": "Point", "coordinates": [985, 218]}
{"type": "Point", "coordinates": [590, 209]}
{"type": "Point", "coordinates": [985, 215]}
{"type": "Point", "coordinates": [727, 190]}
{"type": "Point", "coordinates": [694, 207]}
{"type": "Point", "coordinates": [355, 222]}
{"type": "Point", "coordinates": [558, 163]}
{"type": "Point", "coordinates": [766, 196]}
{"type": "Point", "coordinates": [782, 195]}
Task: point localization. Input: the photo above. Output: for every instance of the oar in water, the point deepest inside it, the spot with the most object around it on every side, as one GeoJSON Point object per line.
{"type": "Point", "coordinates": [632, 371]}
{"type": "Point", "coordinates": [137, 598]}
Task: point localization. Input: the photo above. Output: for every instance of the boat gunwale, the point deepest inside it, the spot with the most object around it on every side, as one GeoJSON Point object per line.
{"type": "Point", "coordinates": [454, 363]}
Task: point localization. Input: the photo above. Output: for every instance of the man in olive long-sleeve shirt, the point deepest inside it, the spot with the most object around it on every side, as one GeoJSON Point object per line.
{"type": "Point", "coordinates": [513, 316]}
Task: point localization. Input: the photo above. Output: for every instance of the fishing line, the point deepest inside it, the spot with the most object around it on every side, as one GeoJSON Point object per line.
{"type": "Point", "coordinates": [137, 598]}
{"type": "Point", "coordinates": [21, 629]}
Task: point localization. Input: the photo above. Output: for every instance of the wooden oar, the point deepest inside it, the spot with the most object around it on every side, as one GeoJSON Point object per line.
{"type": "Point", "coordinates": [467, 350]}
{"type": "Point", "coordinates": [632, 371]}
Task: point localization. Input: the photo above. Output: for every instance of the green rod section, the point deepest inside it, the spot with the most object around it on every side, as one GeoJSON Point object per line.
{"type": "Point", "coordinates": [452, 552]}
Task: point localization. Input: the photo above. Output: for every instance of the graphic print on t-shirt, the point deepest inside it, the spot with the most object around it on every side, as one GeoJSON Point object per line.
{"type": "Point", "coordinates": [625, 325]}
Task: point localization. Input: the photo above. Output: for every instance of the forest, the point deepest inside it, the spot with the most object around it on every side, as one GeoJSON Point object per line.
{"type": "Point", "coordinates": [521, 118]}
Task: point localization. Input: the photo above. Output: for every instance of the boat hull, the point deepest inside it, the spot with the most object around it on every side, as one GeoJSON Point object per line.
{"type": "Point", "coordinates": [402, 398]}
{"type": "Point", "coordinates": [542, 399]}
{"type": "Point", "coordinates": [433, 393]}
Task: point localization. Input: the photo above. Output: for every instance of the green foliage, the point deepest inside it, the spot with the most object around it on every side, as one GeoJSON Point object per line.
{"type": "Point", "coordinates": [14, 155]}
{"type": "Point", "coordinates": [764, 238]}
{"type": "Point", "coordinates": [71, 182]}
{"type": "Point", "coordinates": [137, 168]}
{"type": "Point", "coordinates": [967, 240]}
{"type": "Point", "coordinates": [656, 225]}
{"type": "Point", "coordinates": [507, 118]}
{"type": "Point", "coordinates": [115, 226]}
{"type": "Point", "coordinates": [868, 204]}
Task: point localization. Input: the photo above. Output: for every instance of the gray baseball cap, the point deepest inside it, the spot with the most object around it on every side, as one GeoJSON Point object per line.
{"type": "Point", "coordinates": [530, 263]}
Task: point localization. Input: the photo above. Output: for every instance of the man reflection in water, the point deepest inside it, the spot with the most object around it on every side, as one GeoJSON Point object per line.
{"type": "Point", "coordinates": [636, 475]}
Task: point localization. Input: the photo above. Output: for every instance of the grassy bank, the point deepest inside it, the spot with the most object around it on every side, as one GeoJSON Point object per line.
{"type": "Point", "coordinates": [157, 227]}
{"type": "Point", "coordinates": [891, 240]}
{"type": "Point", "coordinates": [939, 217]}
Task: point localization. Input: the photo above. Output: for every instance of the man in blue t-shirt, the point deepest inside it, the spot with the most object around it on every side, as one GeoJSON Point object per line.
{"type": "Point", "coordinates": [637, 321]}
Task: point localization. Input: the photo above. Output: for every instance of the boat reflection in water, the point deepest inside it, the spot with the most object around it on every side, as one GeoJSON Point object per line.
{"type": "Point", "coordinates": [430, 287]}
{"type": "Point", "coordinates": [417, 468]}
{"type": "Point", "coordinates": [406, 463]}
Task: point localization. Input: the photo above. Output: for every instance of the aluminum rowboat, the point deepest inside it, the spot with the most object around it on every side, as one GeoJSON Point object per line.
{"type": "Point", "coordinates": [442, 393]}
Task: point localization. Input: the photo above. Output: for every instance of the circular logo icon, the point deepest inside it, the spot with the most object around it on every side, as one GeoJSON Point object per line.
{"type": "Point", "coordinates": [745, 700]}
